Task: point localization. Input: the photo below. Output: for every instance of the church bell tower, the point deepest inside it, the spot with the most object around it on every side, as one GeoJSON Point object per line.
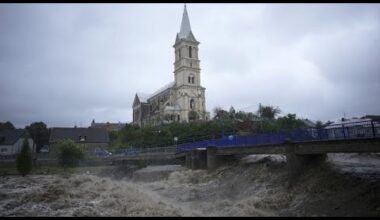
{"type": "Point", "coordinates": [190, 94]}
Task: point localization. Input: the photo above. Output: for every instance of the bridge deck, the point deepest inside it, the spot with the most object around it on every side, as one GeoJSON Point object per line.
{"type": "Point", "coordinates": [307, 147]}
{"type": "Point", "coordinates": [358, 145]}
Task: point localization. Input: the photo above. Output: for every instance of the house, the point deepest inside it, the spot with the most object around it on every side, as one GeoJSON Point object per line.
{"type": "Point", "coordinates": [109, 126]}
{"type": "Point", "coordinates": [11, 142]}
{"type": "Point", "coordinates": [89, 139]}
{"type": "Point", "coordinates": [308, 123]}
{"type": "Point", "coordinates": [354, 127]}
{"type": "Point", "coordinates": [311, 127]}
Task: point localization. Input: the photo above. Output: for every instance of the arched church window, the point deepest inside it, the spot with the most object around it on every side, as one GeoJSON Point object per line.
{"type": "Point", "coordinates": [192, 105]}
{"type": "Point", "coordinates": [190, 52]}
{"type": "Point", "coordinates": [191, 79]}
{"type": "Point", "coordinates": [179, 52]}
{"type": "Point", "coordinates": [178, 117]}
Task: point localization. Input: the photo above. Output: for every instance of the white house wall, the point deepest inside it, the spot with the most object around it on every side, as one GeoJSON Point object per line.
{"type": "Point", "coordinates": [16, 147]}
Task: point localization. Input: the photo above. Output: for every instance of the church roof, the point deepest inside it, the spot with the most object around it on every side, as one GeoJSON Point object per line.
{"type": "Point", "coordinates": [167, 86]}
{"type": "Point", "coordinates": [143, 97]}
{"type": "Point", "coordinates": [185, 31]}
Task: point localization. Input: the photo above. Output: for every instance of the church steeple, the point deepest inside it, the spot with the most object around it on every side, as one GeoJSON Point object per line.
{"type": "Point", "coordinates": [185, 24]}
{"type": "Point", "coordinates": [185, 30]}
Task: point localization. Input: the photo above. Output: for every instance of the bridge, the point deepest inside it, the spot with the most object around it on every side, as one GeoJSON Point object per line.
{"type": "Point", "coordinates": [302, 147]}
{"type": "Point", "coordinates": [149, 156]}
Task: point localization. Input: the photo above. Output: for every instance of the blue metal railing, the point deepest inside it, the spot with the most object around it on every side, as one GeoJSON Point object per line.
{"type": "Point", "coordinates": [352, 130]}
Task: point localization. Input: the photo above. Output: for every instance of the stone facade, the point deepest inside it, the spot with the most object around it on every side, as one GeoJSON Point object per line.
{"type": "Point", "coordinates": [182, 100]}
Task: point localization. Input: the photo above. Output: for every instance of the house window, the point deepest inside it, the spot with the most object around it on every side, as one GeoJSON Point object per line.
{"type": "Point", "coordinates": [189, 79]}
{"type": "Point", "coordinates": [190, 52]}
{"type": "Point", "coordinates": [192, 79]}
{"type": "Point", "coordinates": [192, 104]}
{"type": "Point", "coordinates": [82, 138]}
{"type": "Point", "coordinates": [4, 150]}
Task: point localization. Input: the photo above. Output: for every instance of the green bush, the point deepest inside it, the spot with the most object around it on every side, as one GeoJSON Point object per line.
{"type": "Point", "coordinates": [69, 153]}
{"type": "Point", "coordinates": [24, 159]}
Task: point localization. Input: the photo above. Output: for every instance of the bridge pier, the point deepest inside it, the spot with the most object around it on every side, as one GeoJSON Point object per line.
{"type": "Point", "coordinates": [198, 159]}
{"type": "Point", "coordinates": [188, 159]}
{"type": "Point", "coordinates": [214, 161]}
{"type": "Point", "coordinates": [297, 164]}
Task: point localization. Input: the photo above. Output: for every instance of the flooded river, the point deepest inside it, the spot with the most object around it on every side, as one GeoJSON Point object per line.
{"type": "Point", "coordinates": [254, 186]}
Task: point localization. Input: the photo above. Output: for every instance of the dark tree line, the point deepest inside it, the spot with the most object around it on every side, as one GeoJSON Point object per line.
{"type": "Point", "coordinates": [223, 123]}
{"type": "Point", "coordinates": [6, 126]}
{"type": "Point", "coordinates": [39, 133]}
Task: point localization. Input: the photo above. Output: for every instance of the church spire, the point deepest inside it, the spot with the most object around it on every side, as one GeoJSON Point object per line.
{"type": "Point", "coordinates": [185, 24]}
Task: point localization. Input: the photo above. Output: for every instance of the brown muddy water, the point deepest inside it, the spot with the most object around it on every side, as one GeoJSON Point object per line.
{"type": "Point", "coordinates": [347, 185]}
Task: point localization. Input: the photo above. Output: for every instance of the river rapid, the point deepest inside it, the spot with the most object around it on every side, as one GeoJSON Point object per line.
{"type": "Point", "coordinates": [346, 185]}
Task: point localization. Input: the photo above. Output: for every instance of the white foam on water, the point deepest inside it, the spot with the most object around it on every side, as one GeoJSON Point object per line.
{"type": "Point", "coordinates": [256, 186]}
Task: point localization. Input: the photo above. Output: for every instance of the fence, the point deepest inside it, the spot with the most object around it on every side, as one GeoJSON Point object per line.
{"type": "Point", "coordinates": [132, 152]}
{"type": "Point", "coordinates": [351, 130]}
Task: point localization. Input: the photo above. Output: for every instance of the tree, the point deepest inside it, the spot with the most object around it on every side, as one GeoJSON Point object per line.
{"type": "Point", "coordinates": [24, 159]}
{"type": "Point", "coordinates": [289, 121]}
{"type": "Point", "coordinates": [221, 114]}
{"type": "Point", "coordinates": [232, 112]}
{"type": "Point", "coordinates": [269, 112]}
{"type": "Point", "coordinates": [6, 126]}
{"type": "Point", "coordinates": [319, 125]}
{"type": "Point", "coordinates": [216, 111]}
{"type": "Point", "coordinates": [69, 153]}
{"type": "Point", "coordinates": [40, 134]}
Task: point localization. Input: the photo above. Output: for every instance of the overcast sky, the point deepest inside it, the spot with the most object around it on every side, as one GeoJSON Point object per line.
{"type": "Point", "coordinates": [71, 63]}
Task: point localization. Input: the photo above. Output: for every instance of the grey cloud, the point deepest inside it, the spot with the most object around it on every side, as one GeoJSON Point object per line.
{"type": "Point", "coordinates": [75, 62]}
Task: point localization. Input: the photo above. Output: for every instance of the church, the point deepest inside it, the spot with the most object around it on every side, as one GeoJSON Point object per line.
{"type": "Point", "coordinates": [183, 99]}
